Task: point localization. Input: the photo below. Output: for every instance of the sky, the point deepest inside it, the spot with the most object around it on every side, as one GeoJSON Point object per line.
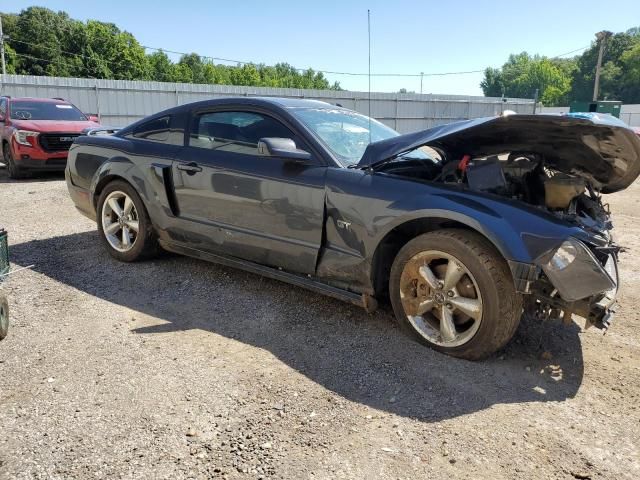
{"type": "Point", "coordinates": [407, 36]}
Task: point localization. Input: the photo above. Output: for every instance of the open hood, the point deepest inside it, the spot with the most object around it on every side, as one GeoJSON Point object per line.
{"type": "Point", "coordinates": [600, 148]}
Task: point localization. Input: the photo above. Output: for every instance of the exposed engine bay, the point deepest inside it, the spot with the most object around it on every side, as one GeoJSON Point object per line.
{"type": "Point", "coordinates": [519, 176]}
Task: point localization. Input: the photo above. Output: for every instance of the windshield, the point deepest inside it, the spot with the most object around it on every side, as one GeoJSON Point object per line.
{"type": "Point", "coordinates": [343, 132]}
{"type": "Point", "coordinates": [21, 110]}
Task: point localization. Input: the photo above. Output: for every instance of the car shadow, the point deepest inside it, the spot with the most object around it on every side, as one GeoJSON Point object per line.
{"type": "Point", "coordinates": [364, 358]}
{"type": "Point", "coordinates": [33, 176]}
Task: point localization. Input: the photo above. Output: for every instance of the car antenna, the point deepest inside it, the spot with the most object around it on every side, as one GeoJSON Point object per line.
{"type": "Point", "coordinates": [369, 34]}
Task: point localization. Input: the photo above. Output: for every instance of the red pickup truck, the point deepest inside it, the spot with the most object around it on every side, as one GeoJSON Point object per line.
{"type": "Point", "coordinates": [36, 133]}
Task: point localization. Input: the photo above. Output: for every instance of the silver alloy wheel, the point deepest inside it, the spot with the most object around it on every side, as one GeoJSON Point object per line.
{"type": "Point", "coordinates": [120, 221]}
{"type": "Point", "coordinates": [441, 298]}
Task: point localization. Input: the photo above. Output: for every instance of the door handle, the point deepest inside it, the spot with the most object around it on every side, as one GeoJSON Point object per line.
{"type": "Point", "coordinates": [191, 168]}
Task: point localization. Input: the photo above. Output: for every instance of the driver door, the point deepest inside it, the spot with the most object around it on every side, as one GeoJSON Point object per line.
{"type": "Point", "coordinates": [260, 208]}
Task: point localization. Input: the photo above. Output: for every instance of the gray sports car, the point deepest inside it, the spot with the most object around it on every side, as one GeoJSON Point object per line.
{"type": "Point", "coordinates": [461, 227]}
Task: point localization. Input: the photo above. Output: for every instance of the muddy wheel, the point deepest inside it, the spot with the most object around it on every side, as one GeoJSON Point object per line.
{"type": "Point", "coordinates": [4, 316]}
{"type": "Point", "coordinates": [452, 291]}
{"type": "Point", "coordinates": [124, 224]}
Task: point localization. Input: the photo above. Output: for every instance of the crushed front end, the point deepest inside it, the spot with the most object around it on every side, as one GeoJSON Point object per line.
{"type": "Point", "coordinates": [580, 275]}
{"type": "Point", "coordinates": [576, 279]}
{"type": "Point", "coordinates": [556, 167]}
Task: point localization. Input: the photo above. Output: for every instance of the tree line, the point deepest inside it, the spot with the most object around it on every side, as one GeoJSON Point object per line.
{"type": "Point", "coordinates": [562, 80]}
{"type": "Point", "coordinates": [44, 42]}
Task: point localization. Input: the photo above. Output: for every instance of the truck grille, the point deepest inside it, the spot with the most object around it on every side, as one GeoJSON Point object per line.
{"type": "Point", "coordinates": [57, 142]}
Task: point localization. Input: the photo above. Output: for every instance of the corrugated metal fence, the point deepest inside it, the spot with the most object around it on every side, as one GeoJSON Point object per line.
{"type": "Point", "coordinates": [120, 102]}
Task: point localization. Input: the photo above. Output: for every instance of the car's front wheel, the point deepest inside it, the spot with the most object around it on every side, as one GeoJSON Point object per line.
{"type": "Point", "coordinates": [124, 224]}
{"type": "Point", "coordinates": [12, 169]}
{"type": "Point", "coordinates": [451, 290]}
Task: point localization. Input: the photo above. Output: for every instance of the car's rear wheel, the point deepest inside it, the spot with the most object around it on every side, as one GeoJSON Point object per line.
{"type": "Point", "coordinates": [124, 224]}
{"type": "Point", "coordinates": [12, 169]}
{"type": "Point", "coordinates": [452, 291]}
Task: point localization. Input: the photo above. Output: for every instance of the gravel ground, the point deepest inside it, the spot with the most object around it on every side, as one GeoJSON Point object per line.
{"type": "Point", "coordinates": [177, 368]}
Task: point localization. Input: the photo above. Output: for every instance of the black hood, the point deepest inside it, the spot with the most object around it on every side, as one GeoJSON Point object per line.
{"type": "Point", "coordinates": [600, 148]}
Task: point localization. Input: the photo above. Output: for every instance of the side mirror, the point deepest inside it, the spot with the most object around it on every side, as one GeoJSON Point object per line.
{"type": "Point", "coordinates": [92, 117]}
{"type": "Point", "coordinates": [2, 118]}
{"type": "Point", "coordinates": [281, 148]}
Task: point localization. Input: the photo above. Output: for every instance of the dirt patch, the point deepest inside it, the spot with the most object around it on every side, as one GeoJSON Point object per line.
{"type": "Point", "coordinates": [177, 368]}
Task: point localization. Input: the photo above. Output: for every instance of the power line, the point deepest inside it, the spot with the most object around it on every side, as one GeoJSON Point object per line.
{"type": "Point", "coordinates": [572, 51]}
{"type": "Point", "coordinates": [52, 48]}
{"type": "Point", "coordinates": [94, 67]}
{"type": "Point", "coordinates": [332, 72]}
{"type": "Point", "coordinates": [58, 62]}
{"type": "Point", "coordinates": [329, 72]}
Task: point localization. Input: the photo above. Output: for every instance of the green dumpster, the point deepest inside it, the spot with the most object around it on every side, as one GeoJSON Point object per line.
{"type": "Point", "coordinates": [612, 107]}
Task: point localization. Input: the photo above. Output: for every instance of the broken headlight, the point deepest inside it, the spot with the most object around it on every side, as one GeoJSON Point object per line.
{"type": "Point", "coordinates": [575, 272]}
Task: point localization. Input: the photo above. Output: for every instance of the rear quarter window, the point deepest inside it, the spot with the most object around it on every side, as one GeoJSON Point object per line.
{"type": "Point", "coordinates": [158, 130]}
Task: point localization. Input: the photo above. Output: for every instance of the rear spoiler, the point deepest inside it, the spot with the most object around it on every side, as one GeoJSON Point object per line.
{"type": "Point", "coordinates": [92, 131]}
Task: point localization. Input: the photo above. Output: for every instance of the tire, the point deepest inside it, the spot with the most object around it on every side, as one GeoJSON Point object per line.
{"type": "Point", "coordinates": [142, 244]}
{"type": "Point", "coordinates": [12, 169]}
{"type": "Point", "coordinates": [484, 289]}
{"type": "Point", "coordinates": [4, 317]}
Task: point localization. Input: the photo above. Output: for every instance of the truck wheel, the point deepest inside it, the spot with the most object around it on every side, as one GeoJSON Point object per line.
{"type": "Point", "coordinates": [124, 224]}
{"type": "Point", "coordinates": [4, 316]}
{"type": "Point", "coordinates": [13, 171]}
{"type": "Point", "coordinates": [452, 291]}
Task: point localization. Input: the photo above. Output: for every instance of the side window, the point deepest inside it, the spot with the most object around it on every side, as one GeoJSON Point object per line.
{"type": "Point", "coordinates": [3, 107]}
{"type": "Point", "coordinates": [158, 130]}
{"type": "Point", "coordinates": [237, 132]}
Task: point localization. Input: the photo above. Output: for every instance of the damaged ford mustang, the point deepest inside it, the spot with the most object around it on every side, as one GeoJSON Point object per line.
{"type": "Point", "coordinates": [462, 228]}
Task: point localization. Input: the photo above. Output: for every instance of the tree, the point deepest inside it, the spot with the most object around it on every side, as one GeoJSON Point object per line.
{"type": "Point", "coordinates": [563, 80]}
{"type": "Point", "coordinates": [246, 74]}
{"type": "Point", "coordinates": [194, 63]}
{"type": "Point", "coordinates": [112, 53]}
{"type": "Point", "coordinates": [36, 39]}
{"type": "Point", "coordinates": [630, 75]}
{"type": "Point", "coordinates": [44, 42]}
{"type": "Point", "coordinates": [161, 67]}
{"type": "Point", "coordinates": [493, 84]}
{"type": "Point", "coordinates": [611, 80]}
{"type": "Point", "coordinates": [523, 74]}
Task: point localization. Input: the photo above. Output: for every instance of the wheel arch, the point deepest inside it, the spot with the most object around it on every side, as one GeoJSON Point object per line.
{"type": "Point", "coordinates": [398, 236]}
{"type": "Point", "coordinates": [102, 183]}
{"type": "Point", "coordinates": [117, 168]}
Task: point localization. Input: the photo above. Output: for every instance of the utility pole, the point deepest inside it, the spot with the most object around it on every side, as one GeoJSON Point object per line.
{"type": "Point", "coordinates": [602, 39]}
{"type": "Point", "coordinates": [4, 67]}
{"type": "Point", "coordinates": [421, 75]}
{"type": "Point", "coordinates": [535, 101]}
